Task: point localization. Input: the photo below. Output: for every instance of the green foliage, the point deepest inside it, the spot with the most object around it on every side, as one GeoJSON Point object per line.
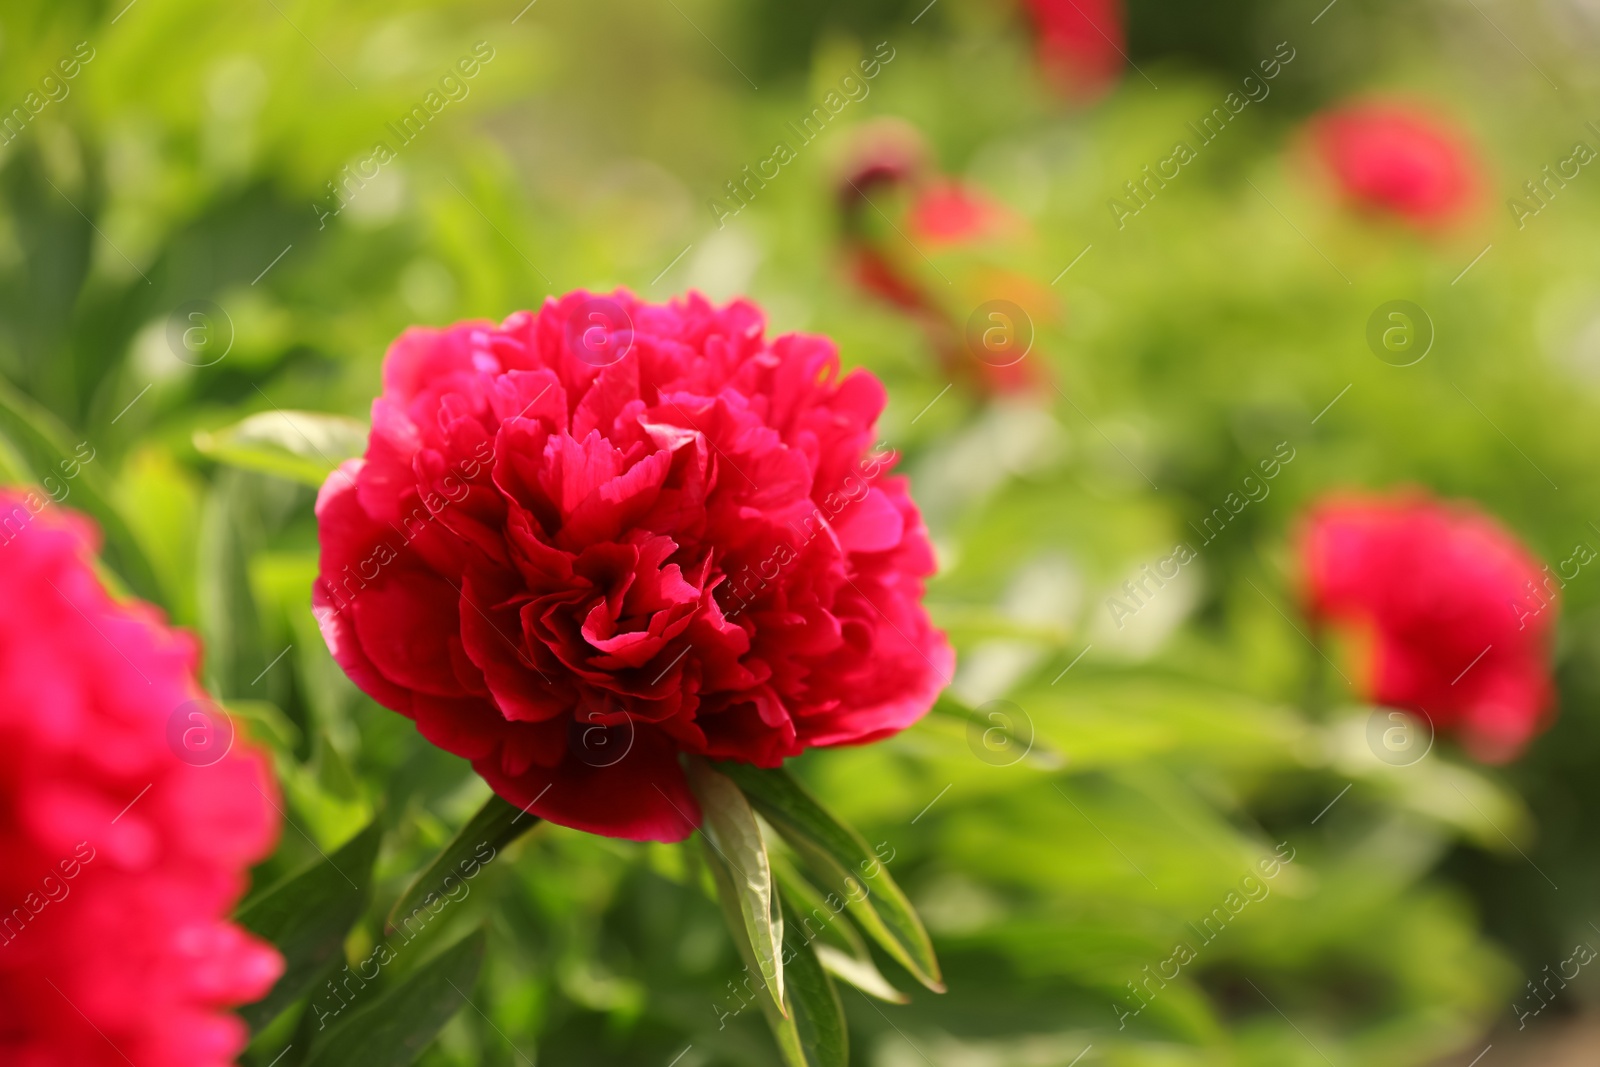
{"type": "Point", "coordinates": [302, 446]}
{"type": "Point", "coordinates": [307, 917]}
{"type": "Point", "coordinates": [845, 864]}
{"type": "Point", "coordinates": [819, 1024]}
{"type": "Point", "coordinates": [838, 945]}
{"type": "Point", "coordinates": [731, 831]}
{"type": "Point", "coordinates": [495, 826]}
{"type": "Point", "coordinates": [38, 454]}
{"type": "Point", "coordinates": [395, 1029]}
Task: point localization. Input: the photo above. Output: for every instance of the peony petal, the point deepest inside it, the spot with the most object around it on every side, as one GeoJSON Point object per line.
{"type": "Point", "coordinates": [873, 525]}
{"type": "Point", "coordinates": [642, 796]}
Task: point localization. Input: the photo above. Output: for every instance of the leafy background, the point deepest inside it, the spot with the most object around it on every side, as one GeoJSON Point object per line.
{"type": "Point", "coordinates": [1182, 748]}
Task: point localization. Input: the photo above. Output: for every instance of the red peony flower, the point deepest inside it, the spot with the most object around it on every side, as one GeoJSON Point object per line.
{"type": "Point", "coordinates": [595, 537]}
{"type": "Point", "coordinates": [941, 214]}
{"type": "Point", "coordinates": [1398, 160]}
{"type": "Point", "coordinates": [949, 212]}
{"type": "Point", "coordinates": [1081, 44]}
{"type": "Point", "coordinates": [881, 153]}
{"type": "Point", "coordinates": [1458, 613]}
{"type": "Point", "coordinates": [872, 271]}
{"type": "Point", "coordinates": [122, 857]}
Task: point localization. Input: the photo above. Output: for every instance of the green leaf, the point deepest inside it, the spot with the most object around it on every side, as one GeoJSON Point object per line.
{"type": "Point", "coordinates": [779, 1018]}
{"type": "Point", "coordinates": [395, 1029]}
{"type": "Point", "coordinates": [810, 1027]}
{"type": "Point", "coordinates": [859, 972]}
{"type": "Point", "coordinates": [307, 917]}
{"type": "Point", "coordinates": [731, 829]}
{"type": "Point", "coordinates": [267, 722]}
{"type": "Point", "coordinates": [69, 475]}
{"type": "Point", "coordinates": [818, 1017]}
{"type": "Point", "coordinates": [998, 733]}
{"type": "Point", "coordinates": [838, 945]}
{"type": "Point", "coordinates": [839, 857]}
{"type": "Point", "coordinates": [229, 620]}
{"type": "Point", "coordinates": [496, 825]}
{"type": "Point", "coordinates": [302, 446]}
{"type": "Point", "coordinates": [283, 1045]}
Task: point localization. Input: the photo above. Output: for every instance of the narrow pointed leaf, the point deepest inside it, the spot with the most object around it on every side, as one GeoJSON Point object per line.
{"type": "Point", "coordinates": [731, 830]}
{"type": "Point", "coordinates": [844, 864]}
{"type": "Point", "coordinates": [293, 1051]}
{"type": "Point", "coordinates": [75, 475]}
{"type": "Point", "coordinates": [334, 773]}
{"type": "Point", "coordinates": [813, 1002]}
{"type": "Point", "coordinates": [307, 917]}
{"type": "Point", "coordinates": [779, 1019]}
{"type": "Point", "coordinates": [230, 621]}
{"type": "Point", "coordinates": [861, 973]}
{"type": "Point", "coordinates": [396, 1028]}
{"type": "Point", "coordinates": [998, 733]}
{"type": "Point", "coordinates": [838, 944]}
{"type": "Point", "coordinates": [496, 825]}
{"type": "Point", "coordinates": [302, 446]}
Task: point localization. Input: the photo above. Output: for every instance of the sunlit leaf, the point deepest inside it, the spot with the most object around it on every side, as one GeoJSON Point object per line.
{"type": "Point", "coordinates": [303, 446]}
{"type": "Point", "coordinates": [810, 1027]}
{"type": "Point", "coordinates": [732, 831]}
{"type": "Point", "coordinates": [837, 943]}
{"type": "Point", "coordinates": [844, 863]}
{"type": "Point", "coordinates": [780, 1019]}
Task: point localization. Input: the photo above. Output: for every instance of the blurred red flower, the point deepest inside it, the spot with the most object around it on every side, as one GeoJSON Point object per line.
{"type": "Point", "coordinates": [949, 212]}
{"type": "Point", "coordinates": [122, 857]}
{"type": "Point", "coordinates": [939, 214]}
{"type": "Point", "coordinates": [1399, 160]}
{"type": "Point", "coordinates": [883, 153]}
{"type": "Point", "coordinates": [1081, 44]}
{"type": "Point", "coordinates": [1458, 612]}
{"type": "Point", "coordinates": [610, 532]}
{"type": "Point", "coordinates": [943, 213]}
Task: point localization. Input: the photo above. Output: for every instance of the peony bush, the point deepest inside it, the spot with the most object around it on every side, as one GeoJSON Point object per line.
{"type": "Point", "coordinates": [616, 709]}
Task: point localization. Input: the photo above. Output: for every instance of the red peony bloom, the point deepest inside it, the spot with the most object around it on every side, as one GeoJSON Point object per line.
{"type": "Point", "coordinates": [888, 155]}
{"type": "Point", "coordinates": [941, 214]}
{"type": "Point", "coordinates": [1081, 44]}
{"type": "Point", "coordinates": [882, 153]}
{"type": "Point", "coordinates": [872, 271]}
{"type": "Point", "coordinates": [595, 537]}
{"type": "Point", "coordinates": [1398, 160]}
{"type": "Point", "coordinates": [1459, 614]}
{"type": "Point", "coordinates": [122, 857]}
{"type": "Point", "coordinates": [883, 156]}
{"type": "Point", "coordinates": [949, 212]}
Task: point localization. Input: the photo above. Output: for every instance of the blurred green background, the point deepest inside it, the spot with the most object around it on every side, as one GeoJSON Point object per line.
{"type": "Point", "coordinates": [169, 266]}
